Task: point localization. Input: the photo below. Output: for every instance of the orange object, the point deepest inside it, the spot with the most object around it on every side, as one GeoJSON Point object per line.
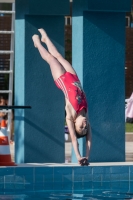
{"type": "Point", "coordinates": [5, 155]}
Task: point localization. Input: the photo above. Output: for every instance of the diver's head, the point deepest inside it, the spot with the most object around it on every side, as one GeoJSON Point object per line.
{"type": "Point", "coordinates": [81, 126]}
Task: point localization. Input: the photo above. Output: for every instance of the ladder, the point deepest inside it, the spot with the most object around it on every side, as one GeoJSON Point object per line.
{"type": "Point", "coordinates": [11, 61]}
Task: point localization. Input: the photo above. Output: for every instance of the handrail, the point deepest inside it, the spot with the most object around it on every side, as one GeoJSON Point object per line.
{"type": "Point", "coordinates": [6, 32]}
{"type": "Point", "coordinates": [6, 72]}
{"type": "Point", "coordinates": [14, 107]}
{"type": "Point", "coordinates": [7, 12]}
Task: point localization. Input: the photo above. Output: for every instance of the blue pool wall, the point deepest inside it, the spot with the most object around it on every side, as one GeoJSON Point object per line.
{"type": "Point", "coordinates": [98, 42]}
{"type": "Point", "coordinates": [39, 131]}
{"type": "Point", "coordinates": [66, 178]}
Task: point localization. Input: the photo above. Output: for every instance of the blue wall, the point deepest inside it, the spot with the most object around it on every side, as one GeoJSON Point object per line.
{"type": "Point", "coordinates": [104, 76]}
{"type": "Point", "coordinates": [99, 59]}
{"type": "Point", "coordinates": [113, 5]}
{"type": "Point", "coordinates": [57, 182]}
{"type": "Point", "coordinates": [39, 132]}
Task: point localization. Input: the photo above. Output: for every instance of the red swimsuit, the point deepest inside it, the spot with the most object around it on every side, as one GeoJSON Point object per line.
{"type": "Point", "coordinates": [71, 86]}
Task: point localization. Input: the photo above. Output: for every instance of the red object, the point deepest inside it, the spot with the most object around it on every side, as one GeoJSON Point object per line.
{"type": "Point", "coordinates": [72, 89]}
{"type": "Point", "coordinates": [5, 156]}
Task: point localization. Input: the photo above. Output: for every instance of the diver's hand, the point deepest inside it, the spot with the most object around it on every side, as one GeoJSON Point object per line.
{"type": "Point", "coordinates": [83, 161]}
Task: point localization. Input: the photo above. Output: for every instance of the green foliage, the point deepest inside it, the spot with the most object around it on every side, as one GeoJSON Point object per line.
{"type": "Point", "coordinates": [128, 127]}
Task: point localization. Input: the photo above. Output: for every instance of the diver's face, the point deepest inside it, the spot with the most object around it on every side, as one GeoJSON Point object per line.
{"type": "Point", "coordinates": [81, 125]}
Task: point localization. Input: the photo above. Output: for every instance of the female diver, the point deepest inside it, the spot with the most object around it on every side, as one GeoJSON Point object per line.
{"type": "Point", "coordinates": [67, 80]}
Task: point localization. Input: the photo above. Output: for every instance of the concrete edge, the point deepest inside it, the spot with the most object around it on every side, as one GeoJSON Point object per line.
{"type": "Point", "coordinates": [70, 164]}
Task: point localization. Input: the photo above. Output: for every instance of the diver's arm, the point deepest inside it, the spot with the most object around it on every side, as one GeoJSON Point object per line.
{"type": "Point", "coordinates": [73, 138]}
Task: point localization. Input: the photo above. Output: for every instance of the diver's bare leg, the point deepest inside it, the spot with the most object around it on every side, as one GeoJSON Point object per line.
{"type": "Point", "coordinates": [52, 49]}
{"type": "Point", "coordinates": [56, 68]}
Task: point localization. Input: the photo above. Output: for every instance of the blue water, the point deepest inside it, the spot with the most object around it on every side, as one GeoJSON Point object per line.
{"type": "Point", "coordinates": [68, 183]}
{"type": "Point", "coordinates": [92, 194]}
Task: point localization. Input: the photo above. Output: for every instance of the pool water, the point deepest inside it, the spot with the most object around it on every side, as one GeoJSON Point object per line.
{"type": "Point", "coordinates": [119, 190]}
{"type": "Point", "coordinates": [66, 182]}
{"type": "Point", "coordinates": [68, 195]}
